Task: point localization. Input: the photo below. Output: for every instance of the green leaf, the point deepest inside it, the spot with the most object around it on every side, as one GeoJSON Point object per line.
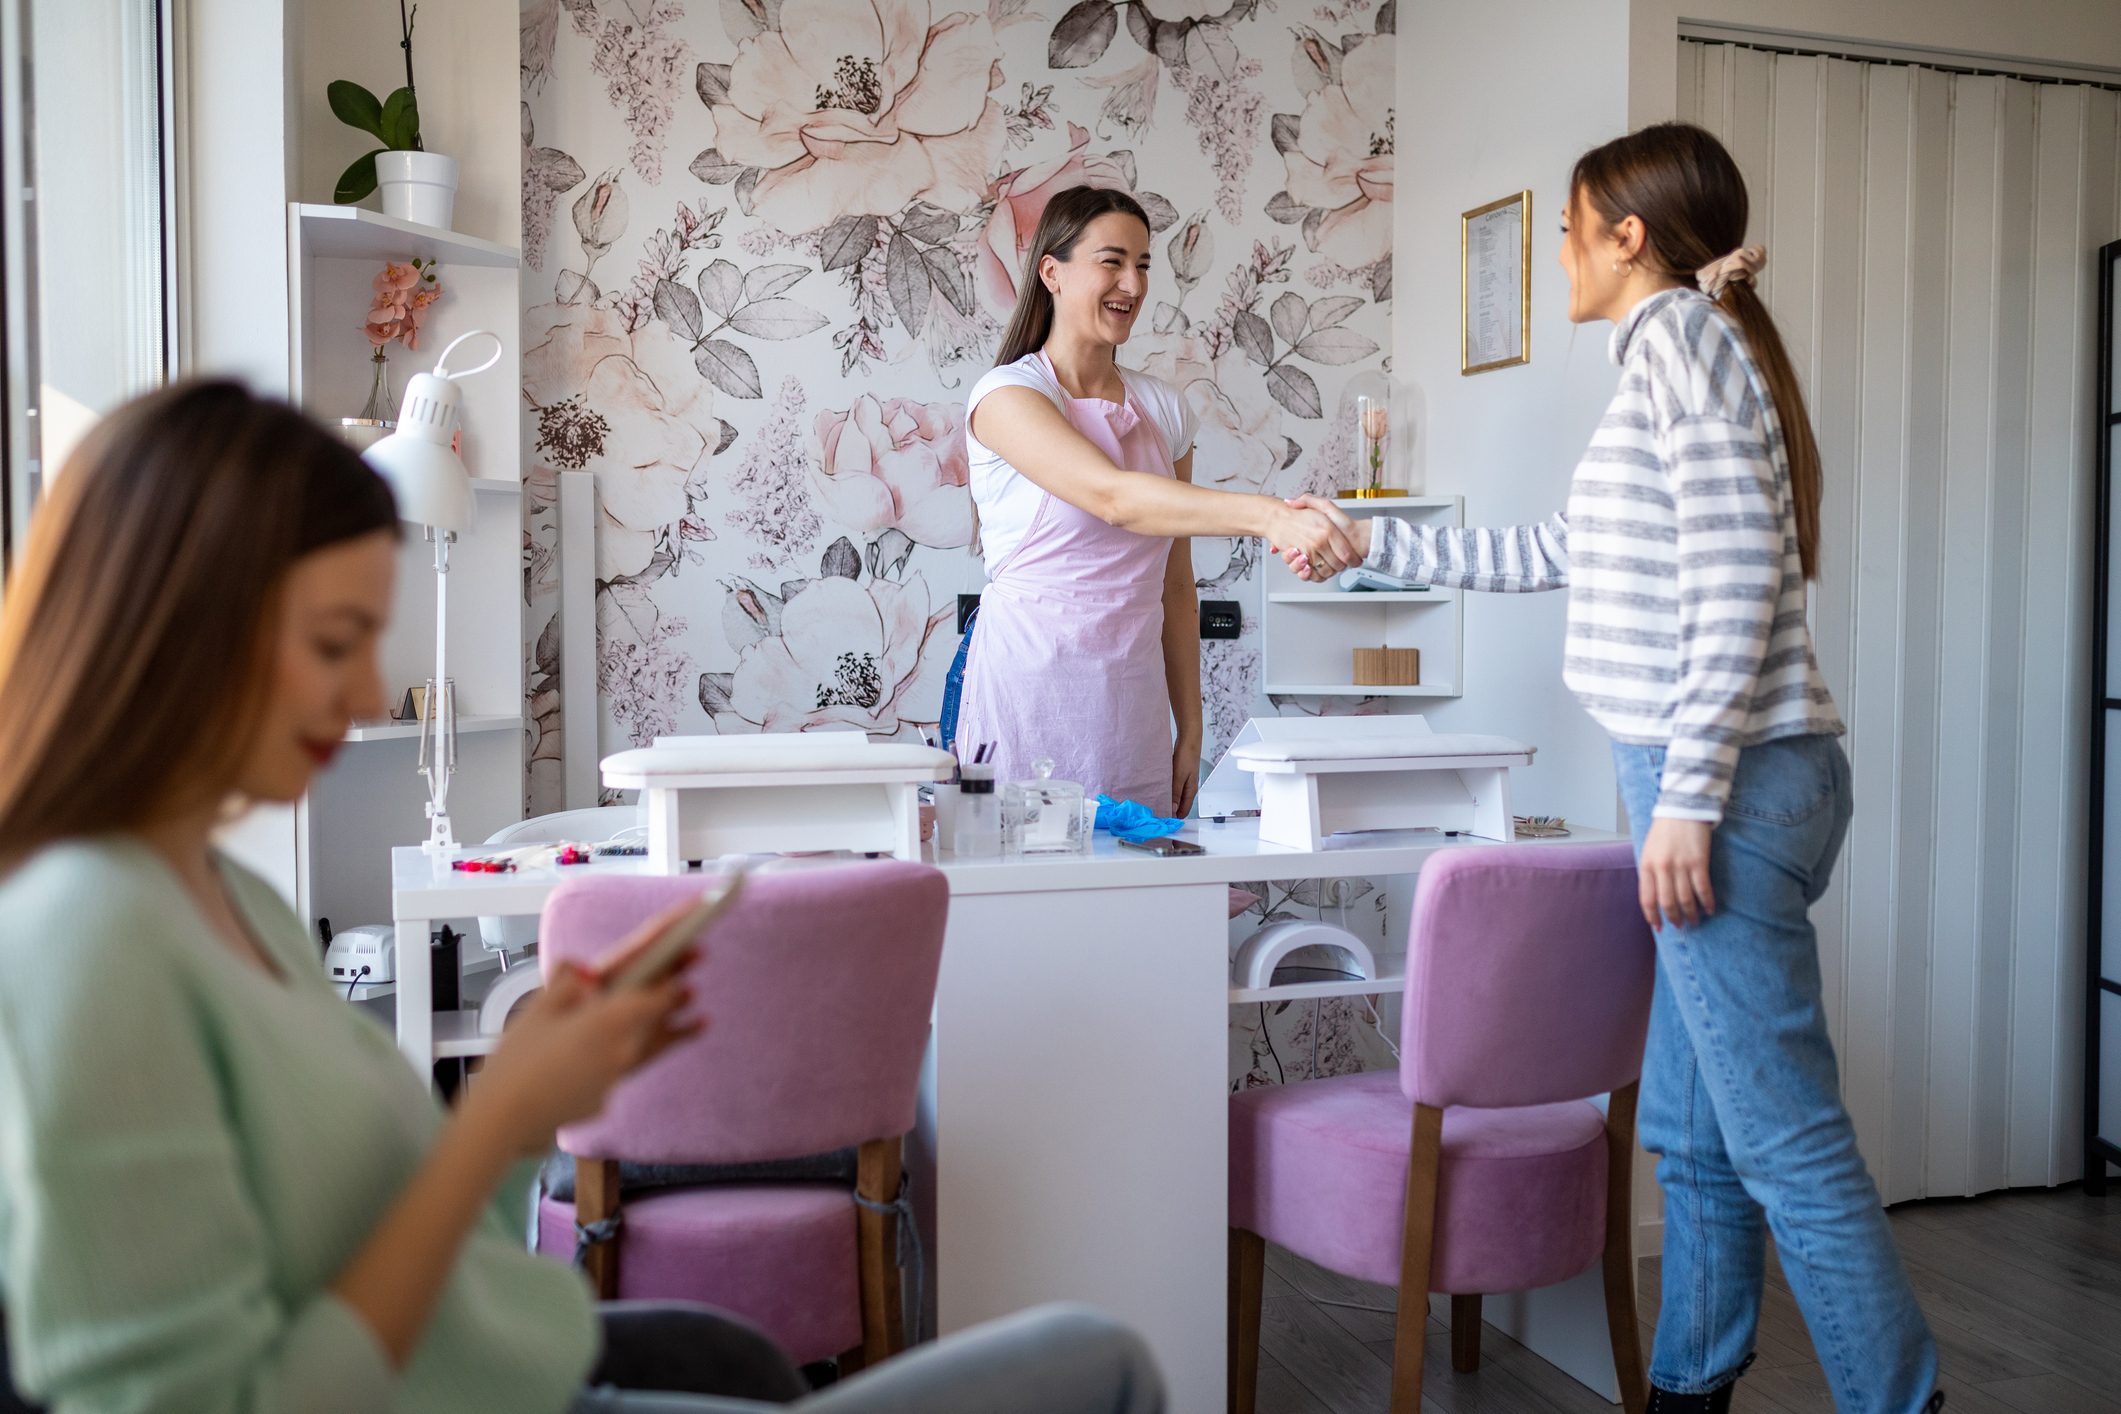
{"type": "Point", "coordinates": [358, 180]}
{"type": "Point", "coordinates": [401, 121]}
{"type": "Point", "coordinates": [355, 106]}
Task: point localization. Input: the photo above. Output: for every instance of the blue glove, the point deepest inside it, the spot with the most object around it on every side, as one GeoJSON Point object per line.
{"type": "Point", "coordinates": [1131, 820]}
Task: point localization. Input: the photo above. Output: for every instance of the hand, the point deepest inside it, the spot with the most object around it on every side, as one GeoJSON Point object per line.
{"type": "Point", "coordinates": [1324, 544]}
{"type": "Point", "coordinates": [1185, 775]}
{"type": "Point", "coordinates": [567, 1047]}
{"type": "Point", "coordinates": [1357, 534]}
{"type": "Point", "coordinates": [1672, 877]}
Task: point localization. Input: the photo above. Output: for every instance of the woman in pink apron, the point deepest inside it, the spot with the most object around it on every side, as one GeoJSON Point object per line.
{"type": "Point", "coordinates": [1086, 647]}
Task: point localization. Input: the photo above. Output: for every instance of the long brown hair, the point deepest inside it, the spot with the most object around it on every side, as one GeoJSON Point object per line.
{"type": "Point", "coordinates": [137, 626]}
{"type": "Point", "coordinates": [1691, 199]}
{"type": "Point", "coordinates": [1059, 228]}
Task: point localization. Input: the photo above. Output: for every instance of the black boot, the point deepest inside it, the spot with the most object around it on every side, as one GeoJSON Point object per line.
{"type": "Point", "coordinates": [1714, 1401]}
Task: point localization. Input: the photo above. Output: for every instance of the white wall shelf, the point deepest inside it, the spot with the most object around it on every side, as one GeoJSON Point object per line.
{"type": "Point", "coordinates": [1310, 634]}
{"type": "Point", "coordinates": [393, 731]}
{"type": "Point", "coordinates": [457, 1035]}
{"type": "Point", "coordinates": [1362, 597]}
{"type": "Point", "coordinates": [1305, 991]}
{"type": "Point", "coordinates": [1388, 504]}
{"type": "Point", "coordinates": [352, 233]}
{"type": "Point", "coordinates": [483, 962]}
{"type": "Point", "coordinates": [1352, 689]}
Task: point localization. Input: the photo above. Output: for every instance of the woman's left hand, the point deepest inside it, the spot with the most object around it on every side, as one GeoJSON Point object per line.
{"type": "Point", "coordinates": [1185, 776]}
{"type": "Point", "coordinates": [1672, 877]}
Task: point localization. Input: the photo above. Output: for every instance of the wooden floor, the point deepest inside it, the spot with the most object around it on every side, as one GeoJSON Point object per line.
{"type": "Point", "coordinates": [2022, 1289]}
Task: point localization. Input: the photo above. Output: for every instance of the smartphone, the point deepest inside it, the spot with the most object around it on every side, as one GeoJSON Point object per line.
{"type": "Point", "coordinates": [1169, 846]}
{"type": "Point", "coordinates": [675, 933]}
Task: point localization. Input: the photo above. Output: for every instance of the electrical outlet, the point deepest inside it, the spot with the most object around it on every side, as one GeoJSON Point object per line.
{"type": "Point", "coordinates": [1221, 618]}
{"type": "Point", "coordinates": [966, 603]}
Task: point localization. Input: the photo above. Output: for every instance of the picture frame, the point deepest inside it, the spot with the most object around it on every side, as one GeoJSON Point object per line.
{"type": "Point", "coordinates": [1495, 284]}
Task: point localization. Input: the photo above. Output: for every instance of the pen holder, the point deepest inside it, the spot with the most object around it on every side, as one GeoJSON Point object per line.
{"type": "Point", "coordinates": [976, 827]}
{"type": "Point", "coordinates": [1388, 667]}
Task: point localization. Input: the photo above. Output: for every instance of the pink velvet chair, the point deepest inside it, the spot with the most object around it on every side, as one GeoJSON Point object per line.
{"type": "Point", "coordinates": [1528, 991]}
{"type": "Point", "coordinates": [817, 987]}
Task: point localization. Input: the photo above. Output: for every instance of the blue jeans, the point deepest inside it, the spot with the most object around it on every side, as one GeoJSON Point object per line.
{"type": "Point", "coordinates": [1741, 1101]}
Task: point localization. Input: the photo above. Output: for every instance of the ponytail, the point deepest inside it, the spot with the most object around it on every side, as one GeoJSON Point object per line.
{"type": "Point", "coordinates": [1750, 312]}
{"type": "Point", "coordinates": [1692, 202]}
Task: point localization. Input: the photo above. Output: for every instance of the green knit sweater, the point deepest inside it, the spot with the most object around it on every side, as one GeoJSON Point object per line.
{"type": "Point", "coordinates": [192, 1151]}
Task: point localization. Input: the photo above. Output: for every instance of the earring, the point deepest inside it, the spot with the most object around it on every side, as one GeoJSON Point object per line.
{"type": "Point", "coordinates": [1623, 268]}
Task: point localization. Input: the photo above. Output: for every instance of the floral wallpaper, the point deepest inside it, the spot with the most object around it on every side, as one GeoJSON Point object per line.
{"type": "Point", "coordinates": [771, 243]}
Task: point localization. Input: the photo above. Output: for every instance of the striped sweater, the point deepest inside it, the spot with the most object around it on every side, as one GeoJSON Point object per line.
{"type": "Point", "coordinates": [1679, 552]}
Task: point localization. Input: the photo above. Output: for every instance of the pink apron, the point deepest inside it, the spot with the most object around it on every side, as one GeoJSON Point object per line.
{"type": "Point", "coordinates": [1067, 656]}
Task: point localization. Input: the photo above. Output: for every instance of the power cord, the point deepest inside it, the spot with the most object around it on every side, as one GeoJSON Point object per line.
{"type": "Point", "coordinates": [1280, 1077]}
{"type": "Point", "coordinates": [355, 981]}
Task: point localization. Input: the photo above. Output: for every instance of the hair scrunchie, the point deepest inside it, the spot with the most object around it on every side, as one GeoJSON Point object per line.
{"type": "Point", "coordinates": [1741, 264]}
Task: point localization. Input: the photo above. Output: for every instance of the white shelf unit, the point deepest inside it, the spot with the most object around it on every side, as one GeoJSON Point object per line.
{"type": "Point", "coordinates": [1310, 633]}
{"type": "Point", "coordinates": [392, 731]}
{"type": "Point", "coordinates": [1307, 991]}
{"type": "Point", "coordinates": [371, 797]}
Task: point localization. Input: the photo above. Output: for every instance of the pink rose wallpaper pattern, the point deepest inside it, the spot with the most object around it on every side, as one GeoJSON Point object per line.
{"type": "Point", "coordinates": [771, 243]}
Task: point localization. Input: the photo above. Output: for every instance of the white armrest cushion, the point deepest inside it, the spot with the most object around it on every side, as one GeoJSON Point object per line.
{"type": "Point", "coordinates": [1383, 748]}
{"type": "Point", "coordinates": [752, 755]}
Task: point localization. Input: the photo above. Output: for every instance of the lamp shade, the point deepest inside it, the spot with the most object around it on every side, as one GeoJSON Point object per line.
{"type": "Point", "coordinates": [429, 479]}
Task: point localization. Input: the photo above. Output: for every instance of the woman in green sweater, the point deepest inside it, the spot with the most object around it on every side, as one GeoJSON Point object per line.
{"type": "Point", "coordinates": [221, 1188]}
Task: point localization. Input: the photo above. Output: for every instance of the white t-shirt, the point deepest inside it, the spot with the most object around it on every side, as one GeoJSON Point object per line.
{"type": "Point", "coordinates": [1007, 499]}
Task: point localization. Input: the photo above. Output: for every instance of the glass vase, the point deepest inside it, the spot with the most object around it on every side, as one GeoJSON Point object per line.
{"type": "Point", "coordinates": [381, 405]}
{"type": "Point", "coordinates": [379, 415]}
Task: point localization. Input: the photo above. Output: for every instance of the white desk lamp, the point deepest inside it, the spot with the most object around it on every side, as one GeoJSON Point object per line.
{"type": "Point", "coordinates": [434, 491]}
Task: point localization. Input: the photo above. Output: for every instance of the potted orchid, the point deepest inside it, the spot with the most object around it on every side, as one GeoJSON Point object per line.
{"type": "Point", "coordinates": [417, 185]}
{"type": "Point", "coordinates": [403, 292]}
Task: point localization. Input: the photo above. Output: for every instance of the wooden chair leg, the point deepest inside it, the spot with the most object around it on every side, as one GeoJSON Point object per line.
{"type": "Point", "coordinates": [877, 1179]}
{"type": "Point", "coordinates": [1465, 1333]}
{"type": "Point", "coordinates": [1418, 1241]}
{"type": "Point", "coordinates": [1620, 1251]}
{"type": "Point", "coordinates": [596, 1198]}
{"type": "Point", "coordinates": [1248, 1274]}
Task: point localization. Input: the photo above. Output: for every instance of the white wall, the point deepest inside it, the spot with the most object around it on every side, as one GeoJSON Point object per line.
{"type": "Point", "coordinates": [1492, 99]}
{"type": "Point", "coordinates": [238, 163]}
{"type": "Point", "coordinates": [235, 167]}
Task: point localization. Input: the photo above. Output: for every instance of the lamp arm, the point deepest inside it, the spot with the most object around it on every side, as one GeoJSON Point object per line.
{"type": "Point", "coordinates": [441, 369]}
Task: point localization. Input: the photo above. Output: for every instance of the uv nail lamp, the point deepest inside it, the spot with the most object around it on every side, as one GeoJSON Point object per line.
{"type": "Point", "coordinates": [704, 797]}
{"type": "Point", "coordinates": [1257, 956]}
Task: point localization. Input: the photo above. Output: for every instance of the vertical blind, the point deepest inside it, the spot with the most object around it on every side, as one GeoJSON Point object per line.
{"type": "Point", "coordinates": [1930, 239]}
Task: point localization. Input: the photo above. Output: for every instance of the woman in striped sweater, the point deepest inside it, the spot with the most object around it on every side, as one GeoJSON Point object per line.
{"type": "Point", "coordinates": [1692, 528]}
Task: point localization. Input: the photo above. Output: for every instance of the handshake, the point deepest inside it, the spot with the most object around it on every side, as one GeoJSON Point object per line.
{"type": "Point", "coordinates": [1317, 539]}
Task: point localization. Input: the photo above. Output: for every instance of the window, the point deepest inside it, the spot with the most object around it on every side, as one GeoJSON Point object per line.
{"type": "Point", "coordinates": [84, 215]}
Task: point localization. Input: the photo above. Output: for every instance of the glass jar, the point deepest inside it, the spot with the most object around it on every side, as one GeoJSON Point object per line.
{"type": "Point", "coordinates": [1044, 816]}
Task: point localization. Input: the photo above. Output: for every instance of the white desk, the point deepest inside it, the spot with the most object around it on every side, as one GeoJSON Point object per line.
{"type": "Point", "coordinates": [1073, 1141]}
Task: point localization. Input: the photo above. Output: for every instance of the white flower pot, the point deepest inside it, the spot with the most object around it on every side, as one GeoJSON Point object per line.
{"type": "Point", "coordinates": [418, 186]}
